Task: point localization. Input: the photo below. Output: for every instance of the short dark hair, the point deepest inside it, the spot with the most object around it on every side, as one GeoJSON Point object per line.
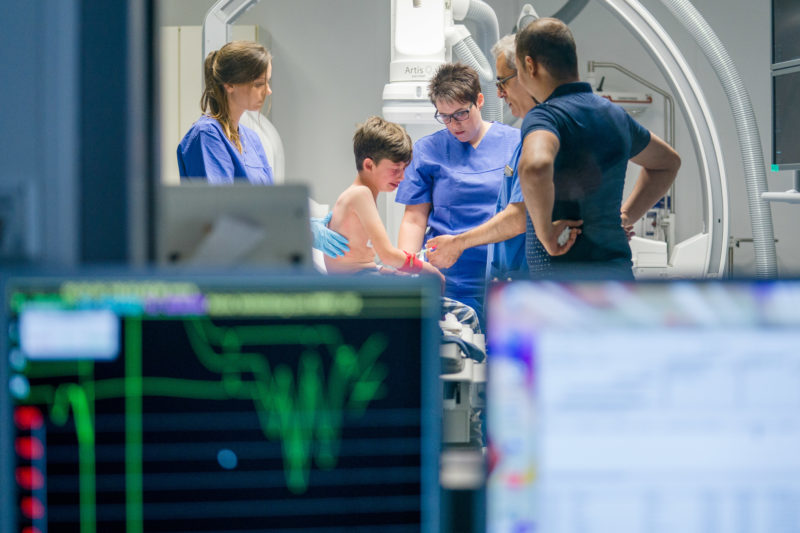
{"type": "Point", "coordinates": [454, 82]}
{"type": "Point", "coordinates": [379, 139]}
{"type": "Point", "coordinates": [548, 41]}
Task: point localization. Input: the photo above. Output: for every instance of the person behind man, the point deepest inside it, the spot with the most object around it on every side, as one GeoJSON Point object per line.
{"type": "Point", "coordinates": [454, 178]}
{"type": "Point", "coordinates": [575, 151]}
{"type": "Point", "coordinates": [505, 231]}
{"type": "Point", "coordinates": [382, 150]}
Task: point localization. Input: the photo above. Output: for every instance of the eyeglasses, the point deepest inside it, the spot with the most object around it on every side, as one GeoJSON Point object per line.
{"type": "Point", "coordinates": [445, 118]}
{"type": "Point", "coordinates": [500, 83]}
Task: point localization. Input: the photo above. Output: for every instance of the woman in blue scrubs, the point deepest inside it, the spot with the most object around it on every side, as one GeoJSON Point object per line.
{"type": "Point", "coordinates": [220, 149]}
{"type": "Point", "coordinates": [217, 147]}
{"type": "Point", "coordinates": [454, 178]}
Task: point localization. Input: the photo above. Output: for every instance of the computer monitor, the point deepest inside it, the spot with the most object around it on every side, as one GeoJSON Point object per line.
{"type": "Point", "coordinates": [211, 404]}
{"type": "Point", "coordinates": [644, 408]}
{"type": "Point", "coordinates": [233, 225]}
{"type": "Point", "coordinates": [786, 118]}
{"type": "Point", "coordinates": [785, 25]}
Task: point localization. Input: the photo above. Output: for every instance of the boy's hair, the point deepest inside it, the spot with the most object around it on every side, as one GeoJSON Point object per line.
{"type": "Point", "coordinates": [454, 82]}
{"type": "Point", "coordinates": [548, 41]}
{"type": "Point", "coordinates": [379, 139]}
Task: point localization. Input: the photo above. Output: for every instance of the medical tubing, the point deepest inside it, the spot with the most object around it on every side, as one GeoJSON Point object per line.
{"type": "Point", "coordinates": [570, 10]}
{"type": "Point", "coordinates": [488, 29]}
{"type": "Point", "coordinates": [468, 53]}
{"type": "Point", "coordinates": [746, 128]}
{"type": "Point", "coordinates": [493, 106]}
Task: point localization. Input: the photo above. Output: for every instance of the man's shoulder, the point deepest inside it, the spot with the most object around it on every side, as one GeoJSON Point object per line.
{"type": "Point", "coordinates": [540, 117]}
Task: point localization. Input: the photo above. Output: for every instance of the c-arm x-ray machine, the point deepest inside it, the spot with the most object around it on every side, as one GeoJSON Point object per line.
{"type": "Point", "coordinates": [425, 35]}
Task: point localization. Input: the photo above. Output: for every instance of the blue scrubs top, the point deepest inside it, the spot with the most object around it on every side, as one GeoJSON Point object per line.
{"type": "Point", "coordinates": [462, 184]}
{"type": "Point", "coordinates": [206, 152]}
{"type": "Point", "coordinates": [597, 138]}
{"type": "Point", "coordinates": [507, 259]}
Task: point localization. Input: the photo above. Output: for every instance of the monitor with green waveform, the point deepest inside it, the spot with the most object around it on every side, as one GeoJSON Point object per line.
{"type": "Point", "coordinates": [208, 404]}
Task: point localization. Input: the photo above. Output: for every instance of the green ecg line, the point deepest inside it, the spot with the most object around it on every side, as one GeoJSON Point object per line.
{"type": "Point", "coordinates": [302, 415]}
{"type": "Point", "coordinates": [133, 426]}
{"type": "Point", "coordinates": [73, 396]}
{"type": "Point", "coordinates": [304, 412]}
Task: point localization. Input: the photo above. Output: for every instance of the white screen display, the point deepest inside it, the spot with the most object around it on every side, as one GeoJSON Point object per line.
{"type": "Point", "coordinates": [648, 411]}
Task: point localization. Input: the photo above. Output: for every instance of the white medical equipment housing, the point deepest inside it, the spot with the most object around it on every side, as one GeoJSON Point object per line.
{"type": "Point", "coordinates": [405, 101]}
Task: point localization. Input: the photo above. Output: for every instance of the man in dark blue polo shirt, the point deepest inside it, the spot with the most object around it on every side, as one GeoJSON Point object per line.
{"type": "Point", "coordinates": [576, 148]}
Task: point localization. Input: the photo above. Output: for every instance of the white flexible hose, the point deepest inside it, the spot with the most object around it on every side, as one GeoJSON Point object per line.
{"type": "Point", "coordinates": [746, 128]}
{"type": "Point", "coordinates": [475, 53]}
{"type": "Point", "coordinates": [468, 53]}
{"type": "Point", "coordinates": [488, 28]}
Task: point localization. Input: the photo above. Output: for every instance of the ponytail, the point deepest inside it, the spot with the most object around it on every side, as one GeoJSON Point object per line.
{"type": "Point", "coordinates": [236, 62]}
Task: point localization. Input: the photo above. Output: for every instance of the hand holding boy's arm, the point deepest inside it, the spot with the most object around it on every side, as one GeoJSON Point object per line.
{"type": "Point", "coordinates": [444, 250]}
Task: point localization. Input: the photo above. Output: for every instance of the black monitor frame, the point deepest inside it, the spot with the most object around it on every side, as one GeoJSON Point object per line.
{"type": "Point", "coordinates": [430, 397]}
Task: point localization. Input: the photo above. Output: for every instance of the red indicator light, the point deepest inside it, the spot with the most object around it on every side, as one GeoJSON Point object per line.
{"type": "Point", "coordinates": [29, 478]}
{"type": "Point", "coordinates": [28, 418]}
{"type": "Point", "coordinates": [29, 448]}
{"type": "Point", "coordinates": [31, 529]}
{"type": "Point", "coordinates": [32, 508]}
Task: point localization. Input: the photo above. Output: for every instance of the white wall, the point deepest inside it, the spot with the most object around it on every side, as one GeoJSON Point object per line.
{"type": "Point", "coordinates": [331, 62]}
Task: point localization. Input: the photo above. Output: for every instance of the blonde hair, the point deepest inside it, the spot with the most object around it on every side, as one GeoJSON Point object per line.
{"type": "Point", "coordinates": [236, 62]}
{"type": "Point", "coordinates": [379, 139]}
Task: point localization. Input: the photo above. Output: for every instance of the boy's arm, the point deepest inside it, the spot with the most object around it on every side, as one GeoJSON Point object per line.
{"type": "Point", "coordinates": [363, 205]}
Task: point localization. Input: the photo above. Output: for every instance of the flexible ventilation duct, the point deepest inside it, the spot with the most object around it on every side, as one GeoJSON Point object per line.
{"type": "Point", "coordinates": [746, 128]}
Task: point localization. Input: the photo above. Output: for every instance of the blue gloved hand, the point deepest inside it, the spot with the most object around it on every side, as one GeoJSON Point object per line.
{"type": "Point", "coordinates": [327, 240]}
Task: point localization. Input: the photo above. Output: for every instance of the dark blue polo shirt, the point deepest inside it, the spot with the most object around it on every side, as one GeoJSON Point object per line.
{"type": "Point", "coordinates": [597, 138]}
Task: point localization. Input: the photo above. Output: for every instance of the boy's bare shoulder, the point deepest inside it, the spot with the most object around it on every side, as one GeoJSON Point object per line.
{"type": "Point", "coordinates": [355, 194]}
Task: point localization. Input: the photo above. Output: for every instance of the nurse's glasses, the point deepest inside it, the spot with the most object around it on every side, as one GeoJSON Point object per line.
{"type": "Point", "coordinates": [445, 118]}
{"type": "Point", "coordinates": [501, 82]}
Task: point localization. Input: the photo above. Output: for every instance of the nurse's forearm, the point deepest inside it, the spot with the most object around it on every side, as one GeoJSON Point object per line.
{"type": "Point", "coordinates": [412, 228]}
{"type": "Point", "coordinates": [506, 224]}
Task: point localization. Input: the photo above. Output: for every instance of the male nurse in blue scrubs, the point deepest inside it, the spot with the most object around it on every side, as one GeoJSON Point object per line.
{"type": "Point", "coordinates": [454, 178]}
{"type": "Point", "coordinates": [575, 151]}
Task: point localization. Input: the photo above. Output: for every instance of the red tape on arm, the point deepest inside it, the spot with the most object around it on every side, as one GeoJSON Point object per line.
{"type": "Point", "coordinates": [412, 264]}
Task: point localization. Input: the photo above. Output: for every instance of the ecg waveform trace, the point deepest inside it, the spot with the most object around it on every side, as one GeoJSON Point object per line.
{"type": "Point", "coordinates": [302, 382]}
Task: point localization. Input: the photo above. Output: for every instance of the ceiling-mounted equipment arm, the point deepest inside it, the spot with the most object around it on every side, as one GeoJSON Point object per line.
{"type": "Point", "coordinates": [218, 20]}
